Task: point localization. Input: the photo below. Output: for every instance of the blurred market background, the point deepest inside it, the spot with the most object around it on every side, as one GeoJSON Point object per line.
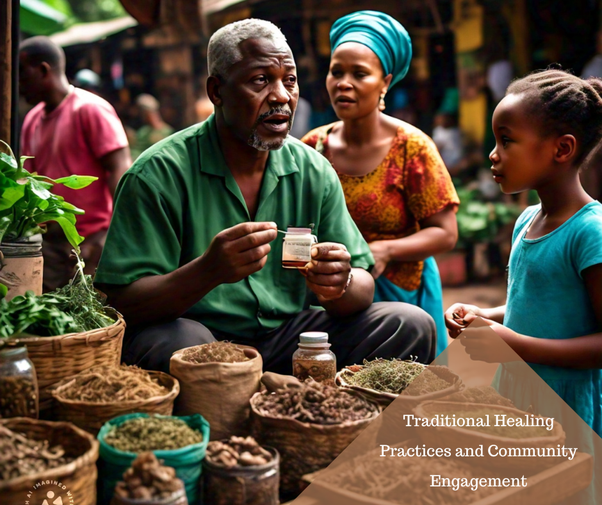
{"type": "Point", "coordinates": [465, 54]}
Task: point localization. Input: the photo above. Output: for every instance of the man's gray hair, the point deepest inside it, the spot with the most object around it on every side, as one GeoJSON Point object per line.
{"type": "Point", "coordinates": [223, 50]}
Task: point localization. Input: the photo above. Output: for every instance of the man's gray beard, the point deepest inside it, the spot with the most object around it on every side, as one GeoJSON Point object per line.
{"type": "Point", "coordinates": [258, 143]}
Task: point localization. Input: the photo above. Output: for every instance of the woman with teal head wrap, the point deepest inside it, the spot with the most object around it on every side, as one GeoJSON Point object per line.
{"type": "Point", "coordinates": [396, 186]}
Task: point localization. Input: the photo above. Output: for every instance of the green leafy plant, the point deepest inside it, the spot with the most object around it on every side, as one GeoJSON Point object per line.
{"type": "Point", "coordinates": [26, 201]}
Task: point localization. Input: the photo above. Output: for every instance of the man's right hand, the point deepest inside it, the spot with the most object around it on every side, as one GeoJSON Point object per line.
{"type": "Point", "coordinates": [237, 252]}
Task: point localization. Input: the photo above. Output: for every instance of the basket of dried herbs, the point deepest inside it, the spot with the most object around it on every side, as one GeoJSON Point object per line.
{"type": "Point", "coordinates": [533, 440]}
{"type": "Point", "coordinates": [385, 380]}
{"type": "Point", "coordinates": [99, 394]}
{"type": "Point", "coordinates": [180, 442]}
{"type": "Point", "coordinates": [309, 426]}
{"type": "Point", "coordinates": [34, 451]}
{"type": "Point", "coordinates": [217, 381]}
{"type": "Point", "coordinates": [65, 331]}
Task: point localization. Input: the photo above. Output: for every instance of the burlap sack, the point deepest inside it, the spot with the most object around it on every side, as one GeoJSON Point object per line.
{"type": "Point", "coordinates": [220, 392]}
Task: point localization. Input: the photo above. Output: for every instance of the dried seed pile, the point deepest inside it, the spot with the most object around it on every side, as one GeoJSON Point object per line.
{"type": "Point", "coordinates": [317, 403]}
{"type": "Point", "coordinates": [320, 371]}
{"type": "Point", "coordinates": [103, 384]}
{"type": "Point", "coordinates": [147, 479]}
{"type": "Point", "coordinates": [152, 434]}
{"type": "Point", "coordinates": [237, 451]}
{"type": "Point", "coordinates": [481, 394]}
{"type": "Point", "coordinates": [398, 480]}
{"type": "Point", "coordinates": [500, 431]}
{"type": "Point", "coordinates": [20, 455]}
{"type": "Point", "coordinates": [427, 382]}
{"type": "Point", "coordinates": [389, 376]}
{"type": "Point", "coordinates": [18, 397]}
{"type": "Point", "coordinates": [214, 352]}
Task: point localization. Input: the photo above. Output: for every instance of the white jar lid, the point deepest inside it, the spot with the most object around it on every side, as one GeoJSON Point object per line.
{"type": "Point", "coordinates": [313, 337]}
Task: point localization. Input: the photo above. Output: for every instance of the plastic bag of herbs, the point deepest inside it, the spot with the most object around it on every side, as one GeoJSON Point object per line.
{"type": "Point", "coordinates": [217, 380]}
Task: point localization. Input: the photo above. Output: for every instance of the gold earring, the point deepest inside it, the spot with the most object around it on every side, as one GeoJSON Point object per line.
{"type": "Point", "coordinates": [381, 103]}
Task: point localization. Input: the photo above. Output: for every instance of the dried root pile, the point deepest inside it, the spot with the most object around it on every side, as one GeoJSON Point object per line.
{"type": "Point", "coordinates": [238, 451]}
{"type": "Point", "coordinates": [152, 434]}
{"type": "Point", "coordinates": [214, 352]}
{"type": "Point", "coordinates": [398, 479]}
{"type": "Point", "coordinates": [147, 479]}
{"type": "Point", "coordinates": [427, 382]}
{"type": "Point", "coordinates": [20, 455]}
{"type": "Point", "coordinates": [317, 403]}
{"type": "Point", "coordinates": [481, 394]}
{"type": "Point", "coordinates": [389, 376]}
{"type": "Point", "coordinates": [104, 384]}
{"type": "Point", "coordinates": [18, 397]}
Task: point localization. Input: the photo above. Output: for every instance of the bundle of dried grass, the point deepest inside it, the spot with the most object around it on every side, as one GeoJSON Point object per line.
{"type": "Point", "coordinates": [113, 384]}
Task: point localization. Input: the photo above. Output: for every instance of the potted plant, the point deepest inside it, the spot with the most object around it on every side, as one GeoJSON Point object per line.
{"type": "Point", "coordinates": [26, 204]}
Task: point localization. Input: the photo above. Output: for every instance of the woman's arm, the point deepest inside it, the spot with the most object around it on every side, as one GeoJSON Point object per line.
{"type": "Point", "coordinates": [438, 233]}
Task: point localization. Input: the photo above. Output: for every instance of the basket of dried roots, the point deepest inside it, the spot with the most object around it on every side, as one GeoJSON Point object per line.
{"type": "Point", "coordinates": [217, 381]}
{"type": "Point", "coordinates": [384, 380]}
{"type": "Point", "coordinates": [34, 451]}
{"type": "Point", "coordinates": [101, 393]}
{"type": "Point", "coordinates": [309, 426]}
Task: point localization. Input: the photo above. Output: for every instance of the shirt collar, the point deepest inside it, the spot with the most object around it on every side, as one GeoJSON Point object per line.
{"type": "Point", "coordinates": [281, 162]}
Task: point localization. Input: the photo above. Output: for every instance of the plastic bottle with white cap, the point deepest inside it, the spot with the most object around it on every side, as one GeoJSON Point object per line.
{"type": "Point", "coordinates": [314, 358]}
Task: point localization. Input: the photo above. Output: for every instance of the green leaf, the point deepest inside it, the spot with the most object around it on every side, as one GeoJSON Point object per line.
{"type": "Point", "coordinates": [71, 208]}
{"type": "Point", "coordinates": [67, 223]}
{"type": "Point", "coordinates": [39, 189]}
{"type": "Point", "coordinates": [3, 290]}
{"type": "Point", "coordinates": [10, 192]}
{"type": "Point", "coordinates": [76, 181]}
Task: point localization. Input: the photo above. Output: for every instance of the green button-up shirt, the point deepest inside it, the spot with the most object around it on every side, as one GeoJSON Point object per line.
{"type": "Point", "coordinates": [180, 193]}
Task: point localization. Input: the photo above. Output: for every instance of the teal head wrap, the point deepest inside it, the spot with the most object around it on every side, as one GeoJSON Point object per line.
{"type": "Point", "coordinates": [380, 32]}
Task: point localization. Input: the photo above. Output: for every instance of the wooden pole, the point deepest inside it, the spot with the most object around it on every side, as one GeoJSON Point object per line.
{"type": "Point", "coordinates": [5, 69]}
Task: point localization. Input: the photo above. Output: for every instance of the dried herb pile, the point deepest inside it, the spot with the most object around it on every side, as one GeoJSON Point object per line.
{"type": "Point", "coordinates": [237, 451]}
{"type": "Point", "coordinates": [104, 384]}
{"type": "Point", "coordinates": [214, 352]}
{"type": "Point", "coordinates": [147, 479]}
{"type": "Point", "coordinates": [18, 397]}
{"type": "Point", "coordinates": [316, 403]}
{"type": "Point", "coordinates": [427, 382]}
{"type": "Point", "coordinates": [398, 479]}
{"type": "Point", "coordinates": [480, 394]}
{"type": "Point", "coordinates": [500, 431]}
{"type": "Point", "coordinates": [389, 376]}
{"type": "Point", "coordinates": [20, 455]}
{"type": "Point", "coordinates": [152, 434]}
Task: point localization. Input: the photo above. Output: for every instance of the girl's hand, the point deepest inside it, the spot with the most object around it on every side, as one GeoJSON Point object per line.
{"type": "Point", "coordinates": [382, 256]}
{"type": "Point", "coordinates": [482, 346]}
{"type": "Point", "coordinates": [459, 316]}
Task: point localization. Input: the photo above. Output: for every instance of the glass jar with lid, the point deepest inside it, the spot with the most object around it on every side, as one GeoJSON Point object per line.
{"type": "Point", "coordinates": [314, 358]}
{"type": "Point", "coordinates": [18, 384]}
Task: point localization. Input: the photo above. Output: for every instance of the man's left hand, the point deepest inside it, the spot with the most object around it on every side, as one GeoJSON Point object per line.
{"type": "Point", "coordinates": [328, 271]}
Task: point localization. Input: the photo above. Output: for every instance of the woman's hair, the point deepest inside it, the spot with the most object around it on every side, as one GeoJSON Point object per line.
{"type": "Point", "coordinates": [564, 104]}
{"type": "Point", "coordinates": [223, 50]}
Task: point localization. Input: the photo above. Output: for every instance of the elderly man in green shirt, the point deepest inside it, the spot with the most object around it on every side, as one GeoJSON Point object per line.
{"type": "Point", "coordinates": [193, 254]}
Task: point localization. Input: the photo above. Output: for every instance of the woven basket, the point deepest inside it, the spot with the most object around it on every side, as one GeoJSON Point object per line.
{"type": "Point", "coordinates": [303, 447]}
{"type": "Point", "coordinates": [92, 415]}
{"type": "Point", "coordinates": [405, 402]}
{"type": "Point", "coordinates": [59, 357]}
{"type": "Point", "coordinates": [77, 477]}
{"type": "Point", "coordinates": [454, 437]}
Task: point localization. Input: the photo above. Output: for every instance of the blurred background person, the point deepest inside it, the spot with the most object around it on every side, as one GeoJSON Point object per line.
{"type": "Point", "coordinates": [70, 131]}
{"type": "Point", "coordinates": [87, 79]}
{"type": "Point", "coordinates": [396, 185]}
{"type": "Point", "coordinates": [154, 128]}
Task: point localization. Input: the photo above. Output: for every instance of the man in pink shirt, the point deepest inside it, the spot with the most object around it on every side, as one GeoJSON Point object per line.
{"type": "Point", "coordinates": [70, 131]}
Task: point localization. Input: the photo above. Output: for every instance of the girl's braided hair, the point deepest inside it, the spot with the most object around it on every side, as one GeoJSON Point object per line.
{"type": "Point", "coordinates": [564, 104]}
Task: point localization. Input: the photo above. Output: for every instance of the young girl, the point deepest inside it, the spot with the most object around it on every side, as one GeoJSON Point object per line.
{"type": "Point", "coordinates": [545, 128]}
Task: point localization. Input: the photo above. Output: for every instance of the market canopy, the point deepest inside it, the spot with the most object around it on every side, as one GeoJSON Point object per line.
{"type": "Point", "coordinates": [85, 33]}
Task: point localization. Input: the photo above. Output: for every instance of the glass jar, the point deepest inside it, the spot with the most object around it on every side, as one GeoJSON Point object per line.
{"type": "Point", "coordinates": [314, 358]}
{"type": "Point", "coordinates": [18, 384]}
{"type": "Point", "coordinates": [296, 247]}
